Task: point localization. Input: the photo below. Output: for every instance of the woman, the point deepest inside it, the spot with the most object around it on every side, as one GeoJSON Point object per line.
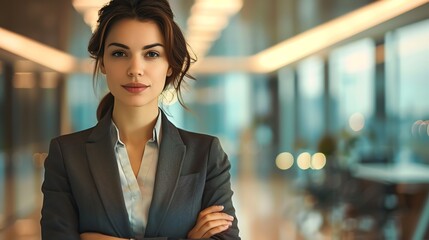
{"type": "Point", "coordinates": [135, 175]}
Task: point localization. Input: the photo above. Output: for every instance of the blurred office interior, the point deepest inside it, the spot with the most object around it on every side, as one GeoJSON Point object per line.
{"type": "Point", "coordinates": [321, 105]}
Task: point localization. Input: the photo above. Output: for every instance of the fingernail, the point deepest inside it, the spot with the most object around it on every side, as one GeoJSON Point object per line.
{"type": "Point", "coordinates": [221, 207]}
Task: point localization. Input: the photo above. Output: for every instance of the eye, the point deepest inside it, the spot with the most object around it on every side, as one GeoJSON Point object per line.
{"type": "Point", "coordinates": [118, 54]}
{"type": "Point", "coordinates": [152, 54]}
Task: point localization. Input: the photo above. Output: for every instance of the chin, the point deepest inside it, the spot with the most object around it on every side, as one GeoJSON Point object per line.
{"type": "Point", "coordinates": [138, 104]}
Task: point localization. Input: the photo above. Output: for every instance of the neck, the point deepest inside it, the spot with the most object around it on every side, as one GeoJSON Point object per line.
{"type": "Point", "coordinates": [135, 124]}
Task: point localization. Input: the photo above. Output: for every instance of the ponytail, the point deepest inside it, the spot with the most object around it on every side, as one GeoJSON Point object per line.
{"type": "Point", "coordinates": [105, 105]}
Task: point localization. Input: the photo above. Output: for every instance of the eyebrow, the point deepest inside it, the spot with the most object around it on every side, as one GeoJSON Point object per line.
{"type": "Point", "coordinates": [126, 47]}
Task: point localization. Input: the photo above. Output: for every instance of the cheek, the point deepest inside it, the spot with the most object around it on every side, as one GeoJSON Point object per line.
{"type": "Point", "coordinates": [160, 82]}
{"type": "Point", "coordinates": [109, 84]}
{"type": "Point", "coordinates": [159, 73]}
{"type": "Point", "coordinates": [113, 72]}
{"type": "Point", "coordinates": [112, 78]}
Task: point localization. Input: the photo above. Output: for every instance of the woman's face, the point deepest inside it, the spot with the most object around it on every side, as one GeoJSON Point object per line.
{"type": "Point", "coordinates": [135, 63]}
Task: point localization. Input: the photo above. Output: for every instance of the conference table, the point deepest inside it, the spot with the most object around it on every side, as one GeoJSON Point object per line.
{"type": "Point", "coordinates": [399, 173]}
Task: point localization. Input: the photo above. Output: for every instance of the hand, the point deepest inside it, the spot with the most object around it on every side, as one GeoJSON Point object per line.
{"type": "Point", "coordinates": [210, 221]}
{"type": "Point", "coordinates": [98, 236]}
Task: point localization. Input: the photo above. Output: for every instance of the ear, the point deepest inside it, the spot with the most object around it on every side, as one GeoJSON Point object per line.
{"type": "Point", "coordinates": [169, 71]}
{"type": "Point", "coordinates": [102, 68]}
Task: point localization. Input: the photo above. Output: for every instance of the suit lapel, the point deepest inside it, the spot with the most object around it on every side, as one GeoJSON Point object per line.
{"type": "Point", "coordinates": [171, 154]}
{"type": "Point", "coordinates": [104, 169]}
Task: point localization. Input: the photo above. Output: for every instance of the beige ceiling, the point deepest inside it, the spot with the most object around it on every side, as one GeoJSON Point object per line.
{"type": "Point", "coordinates": [268, 23]}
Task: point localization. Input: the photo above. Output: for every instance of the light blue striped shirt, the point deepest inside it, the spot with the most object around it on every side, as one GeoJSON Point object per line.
{"type": "Point", "coordinates": [138, 191]}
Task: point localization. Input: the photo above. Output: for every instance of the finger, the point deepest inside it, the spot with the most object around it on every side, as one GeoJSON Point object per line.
{"type": "Point", "coordinates": [214, 224]}
{"type": "Point", "coordinates": [216, 216]}
{"type": "Point", "coordinates": [205, 226]}
{"type": "Point", "coordinates": [211, 228]}
{"type": "Point", "coordinates": [211, 217]}
{"type": "Point", "coordinates": [216, 230]}
{"type": "Point", "coordinates": [211, 209]}
{"type": "Point", "coordinates": [210, 222]}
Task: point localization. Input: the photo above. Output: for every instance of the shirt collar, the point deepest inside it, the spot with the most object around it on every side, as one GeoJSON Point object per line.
{"type": "Point", "coordinates": [156, 134]}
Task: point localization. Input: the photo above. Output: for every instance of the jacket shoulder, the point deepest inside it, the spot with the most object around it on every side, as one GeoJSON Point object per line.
{"type": "Point", "coordinates": [195, 136]}
{"type": "Point", "coordinates": [200, 141]}
{"type": "Point", "coordinates": [75, 137]}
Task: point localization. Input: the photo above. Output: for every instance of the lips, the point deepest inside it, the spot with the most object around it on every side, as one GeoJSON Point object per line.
{"type": "Point", "coordinates": [135, 87]}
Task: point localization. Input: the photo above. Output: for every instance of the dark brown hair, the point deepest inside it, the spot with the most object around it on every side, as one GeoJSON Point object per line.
{"type": "Point", "coordinates": [159, 11]}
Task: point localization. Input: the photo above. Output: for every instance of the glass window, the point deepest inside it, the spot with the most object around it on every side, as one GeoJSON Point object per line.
{"type": "Point", "coordinates": [25, 105]}
{"type": "Point", "coordinates": [310, 73]}
{"type": "Point", "coordinates": [352, 90]}
{"type": "Point", "coordinates": [82, 101]}
{"type": "Point", "coordinates": [2, 157]}
{"type": "Point", "coordinates": [407, 85]}
{"type": "Point", "coordinates": [352, 80]}
{"type": "Point", "coordinates": [287, 109]}
{"type": "Point", "coordinates": [2, 189]}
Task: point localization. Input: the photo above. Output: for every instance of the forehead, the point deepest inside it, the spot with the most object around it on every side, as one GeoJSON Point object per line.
{"type": "Point", "coordinates": [132, 31]}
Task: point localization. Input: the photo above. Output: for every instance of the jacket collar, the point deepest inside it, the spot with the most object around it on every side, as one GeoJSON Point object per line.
{"type": "Point", "coordinates": [104, 168]}
{"type": "Point", "coordinates": [171, 157]}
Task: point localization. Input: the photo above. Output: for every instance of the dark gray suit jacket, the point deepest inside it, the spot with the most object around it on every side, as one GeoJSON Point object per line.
{"type": "Point", "coordinates": [82, 189]}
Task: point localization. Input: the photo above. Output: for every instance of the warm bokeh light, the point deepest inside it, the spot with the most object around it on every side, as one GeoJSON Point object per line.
{"type": "Point", "coordinates": [49, 80]}
{"type": "Point", "coordinates": [328, 34]}
{"type": "Point", "coordinates": [318, 161]}
{"type": "Point", "coordinates": [357, 122]}
{"type": "Point", "coordinates": [226, 6]}
{"type": "Point", "coordinates": [303, 45]}
{"type": "Point", "coordinates": [424, 128]}
{"type": "Point", "coordinates": [415, 128]}
{"type": "Point", "coordinates": [357, 62]}
{"type": "Point", "coordinates": [304, 160]}
{"type": "Point", "coordinates": [33, 50]}
{"type": "Point", "coordinates": [90, 17]}
{"type": "Point", "coordinates": [24, 80]}
{"type": "Point", "coordinates": [89, 10]}
{"type": "Point", "coordinates": [284, 160]}
{"type": "Point", "coordinates": [427, 132]}
{"type": "Point", "coordinates": [206, 21]}
{"type": "Point", "coordinates": [420, 128]}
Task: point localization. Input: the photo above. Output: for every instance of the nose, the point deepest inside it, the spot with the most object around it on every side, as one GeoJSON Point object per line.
{"type": "Point", "coordinates": [135, 69]}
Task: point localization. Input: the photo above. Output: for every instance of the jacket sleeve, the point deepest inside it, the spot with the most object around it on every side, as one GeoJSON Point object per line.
{"type": "Point", "coordinates": [218, 188]}
{"type": "Point", "coordinates": [59, 212]}
{"type": "Point", "coordinates": [217, 191]}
